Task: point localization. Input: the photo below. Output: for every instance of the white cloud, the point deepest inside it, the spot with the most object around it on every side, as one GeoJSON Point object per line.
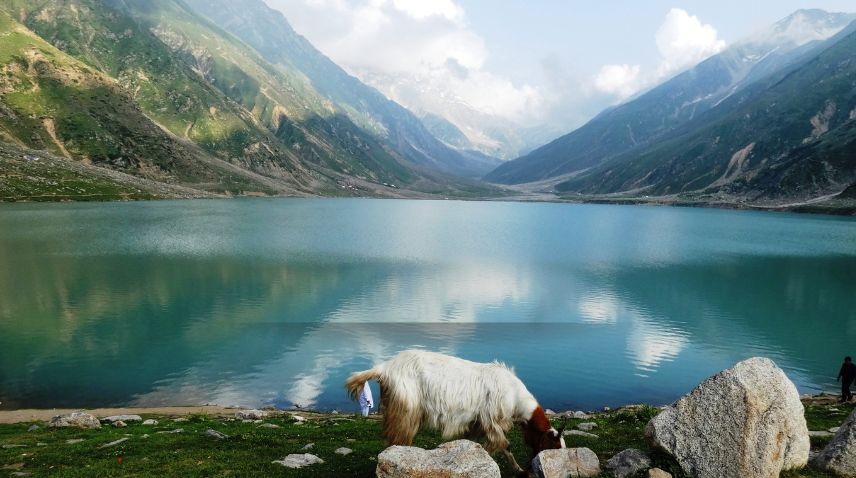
{"type": "Point", "coordinates": [619, 80]}
{"type": "Point", "coordinates": [427, 41]}
{"type": "Point", "coordinates": [682, 41]}
{"type": "Point", "coordinates": [420, 9]}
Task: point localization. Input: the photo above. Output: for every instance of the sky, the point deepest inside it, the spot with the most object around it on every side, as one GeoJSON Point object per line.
{"type": "Point", "coordinates": [532, 61]}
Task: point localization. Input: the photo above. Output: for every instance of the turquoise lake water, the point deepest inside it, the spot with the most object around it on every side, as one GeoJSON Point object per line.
{"type": "Point", "coordinates": [257, 302]}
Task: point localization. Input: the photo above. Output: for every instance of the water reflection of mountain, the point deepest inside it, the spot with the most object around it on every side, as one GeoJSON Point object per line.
{"type": "Point", "coordinates": [799, 310]}
{"type": "Point", "coordinates": [118, 325]}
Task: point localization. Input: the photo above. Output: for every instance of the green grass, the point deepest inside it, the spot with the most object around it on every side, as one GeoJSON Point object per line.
{"type": "Point", "coordinates": [249, 449]}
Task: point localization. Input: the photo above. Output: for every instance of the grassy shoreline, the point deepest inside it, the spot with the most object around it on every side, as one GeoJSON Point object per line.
{"type": "Point", "coordinates": [251, 446]}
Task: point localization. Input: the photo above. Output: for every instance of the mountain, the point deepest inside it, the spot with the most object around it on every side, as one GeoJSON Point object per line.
{"type": "Point", "coordinates": [50, 100]}
{"type": "Point", "coordinates": [649, 116]}
{"type": "Point", "coordinates": [154, 89]}
{"type": "Point", "coordinates": [269, 33]}
{"type": "Point", "coordinates": [788, 136]}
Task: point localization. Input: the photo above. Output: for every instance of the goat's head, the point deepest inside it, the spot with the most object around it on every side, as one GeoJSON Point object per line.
{"type": "Point", "coordinates": [540, 435]}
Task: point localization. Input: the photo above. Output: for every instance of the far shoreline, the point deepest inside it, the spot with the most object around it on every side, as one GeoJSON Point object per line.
{"type": "Point", "coordinates": [27, 415]}
{"type": "Point", "coordinates": [806, 208]}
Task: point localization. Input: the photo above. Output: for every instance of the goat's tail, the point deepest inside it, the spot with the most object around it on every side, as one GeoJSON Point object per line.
{"type": "Point", "coordinates": [355, 382]}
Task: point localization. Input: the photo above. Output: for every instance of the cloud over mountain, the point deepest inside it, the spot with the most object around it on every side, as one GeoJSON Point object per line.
{"type": "Point", "coordinates": [682, 41]}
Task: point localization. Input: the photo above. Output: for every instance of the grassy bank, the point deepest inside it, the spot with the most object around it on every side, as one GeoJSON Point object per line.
{"type": "Point", "coordinates": [251, 447]}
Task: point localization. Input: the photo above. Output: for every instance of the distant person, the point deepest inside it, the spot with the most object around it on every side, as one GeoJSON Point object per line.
{"type": "Point", "coordinates": [847, 374]}
{"type": "Point", "coordinates": [366, 400]}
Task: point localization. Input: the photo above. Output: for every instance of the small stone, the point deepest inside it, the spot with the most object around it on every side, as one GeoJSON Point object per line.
{"type": "Point", "coordinates": [350, 440]}
{"type": "Point", "coordinates": [308, 446]}
{"type": "Point", "coordinates": [6, 447]}
{"type": "Point", "coordinates": [335, 412]}
{"type": "Point", "coordinates": [251, 414]}
{"type": "Point", "coordinates": [123, 418]}
{"type": "Point", "coordinates": [581, 415]}
{"type": "Point", "coordinates": [20, 473]}
{"type": "Point", "coordinates": [549, 412]}
{"type": "Point", "coordinates": [150, 421]}
{"type": "Point", "coordinates": [33, 428]}
{"type": "Point", "coordinates": [628, 462]}
{"type": "Point", "coordinates": [177, 430]}
{"type": "Point", "coordinates": [180, 420]}
{"type": "Point", "coordinates": [211, 433]}
{"type": "Point", "coordinates": [41, 444]}
{"type": "Point", "coordinates": [587, 426]}
{"type": "Point", "coordinates": [658, 473]}
{"type": "Point", "coordinates": [579, 433]}
{"type": "Point", "coordinates": [607, 409]}
{"type": "Point", "coordinates": [72, 441]}
{"type": "Point", "coordinates": [298, 418]}
{"type": "Point", "coordinates": [268, 425]}
{"type": "Point", "coordinates": [114, 443]}
{"type": "Point", "coordinates": [145, 435]}
{"type": "Point", "coordinates": [566, 462]}
{"type": "Point", "coordinates": [343, 451]}
{"type": "Point", "coordinates": [119, 424]}
{"type": "Point", "coordinates": [75, 419]}
{"type": "Point", "coordinates": [296, 460]}
{"type": "Point", "coordinates": [834, 429]}
{"type": "Point", "coordinates": [819, 433]}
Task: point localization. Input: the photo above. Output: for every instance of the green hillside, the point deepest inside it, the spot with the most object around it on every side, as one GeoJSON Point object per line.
{"type": "Point", "coordinates": [53, 102]}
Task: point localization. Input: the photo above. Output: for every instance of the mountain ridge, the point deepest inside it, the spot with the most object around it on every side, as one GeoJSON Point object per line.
{"type": "Point", "coordinates": [661, 109]}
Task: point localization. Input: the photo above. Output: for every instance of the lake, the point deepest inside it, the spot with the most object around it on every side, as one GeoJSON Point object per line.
{"type": "Point", "coordinates": [256, 302]}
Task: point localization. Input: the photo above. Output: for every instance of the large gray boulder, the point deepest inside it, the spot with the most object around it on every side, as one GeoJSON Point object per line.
{"type": "Point", "coordinates": [746, 421]}
{"type": "Point", "coordinates": [566, 462]}
{"type": "Point", "coordinates": [456, 459]}
{"type": "Point", "coordinates": [839, 456]}
{"type": "Point", "coordinates": [75, 419]}
{"type": "Point", "coordinates": [628, 462]}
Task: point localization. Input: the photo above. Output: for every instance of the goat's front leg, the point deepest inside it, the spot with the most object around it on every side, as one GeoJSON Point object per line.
{"type": "Point", "coordinates": [517, 470]}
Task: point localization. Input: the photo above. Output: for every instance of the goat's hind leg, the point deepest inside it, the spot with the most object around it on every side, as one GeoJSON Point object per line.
{"type": "Point", "coordinates": [400, 424]}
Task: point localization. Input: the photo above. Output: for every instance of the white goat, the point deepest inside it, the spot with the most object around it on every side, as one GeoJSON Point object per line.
{"type": "Point", "coordinates": [456, 397]}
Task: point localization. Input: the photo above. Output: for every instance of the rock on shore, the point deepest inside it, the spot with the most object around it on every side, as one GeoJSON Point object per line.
{"type": "Point", "coordinates": [839, 456]}
{"type": "Point", "coordinates": [75, 419]}
{"type": "Point", "coordinates": [455, 459]}
{"type": "Point", "coordinates": [744, 421]}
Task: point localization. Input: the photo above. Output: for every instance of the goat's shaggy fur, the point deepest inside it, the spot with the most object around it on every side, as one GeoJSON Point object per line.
{"type": "Point", "coordinates": [456, 397]}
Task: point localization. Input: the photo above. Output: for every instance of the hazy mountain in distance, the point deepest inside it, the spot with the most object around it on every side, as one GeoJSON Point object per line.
{"type": "Point", "coordinates": [649, 116]}
{"type": "Point", "coordinates": [490, 134]}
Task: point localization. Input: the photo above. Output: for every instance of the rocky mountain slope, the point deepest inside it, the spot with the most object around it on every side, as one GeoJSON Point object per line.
{"type": "Point", "coordinates": [647, 118]}
{"type": "Point", "coordinates": [790, 136]}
